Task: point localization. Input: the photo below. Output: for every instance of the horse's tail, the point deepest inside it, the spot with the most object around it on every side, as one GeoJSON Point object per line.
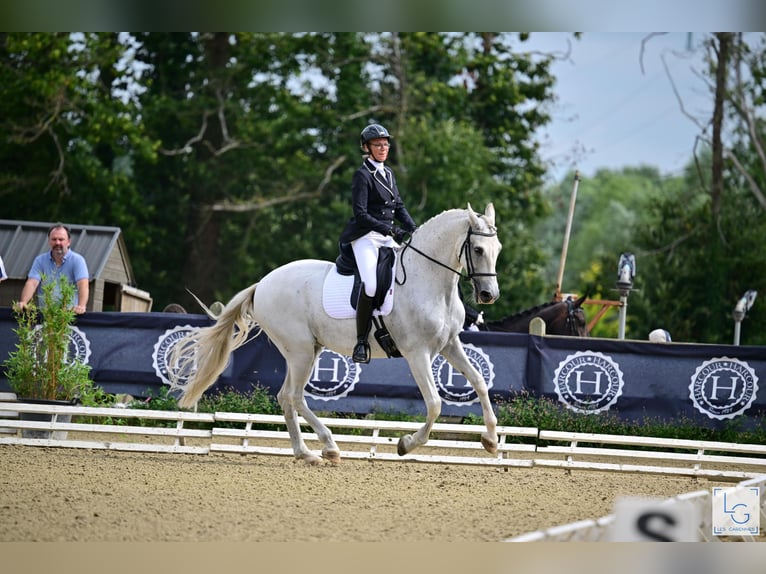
{"type": "Point", "coordinates": [198, 359]}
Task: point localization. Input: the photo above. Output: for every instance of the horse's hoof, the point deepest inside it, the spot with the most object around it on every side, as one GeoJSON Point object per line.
{"type": "Point", "coordinates": [403, 447]}
{"type": "Point", "coordinates": [331, 456]}
{"type": "Point", "coordinates": [310, 459]}
{"type": "Point", "coordinates": [489, 445]}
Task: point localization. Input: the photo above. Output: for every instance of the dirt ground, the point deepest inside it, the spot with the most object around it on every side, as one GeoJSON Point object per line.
{"type": "Point", "coordinates": [69, 495]}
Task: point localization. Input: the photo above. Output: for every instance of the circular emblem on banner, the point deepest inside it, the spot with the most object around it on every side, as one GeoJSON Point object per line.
{"type": "Point", "coordinates": [723, 388]}
{"type": "Point", "coordinates": [78, 347]}
{"type": "Point", "coordinates": [334, 376]}
{"type": "Point", "coordinates": [588, 382]}
{"type": "Point", "coordinates": [452, 386]}
{"type": "Point", "coordinates": [162, 349]}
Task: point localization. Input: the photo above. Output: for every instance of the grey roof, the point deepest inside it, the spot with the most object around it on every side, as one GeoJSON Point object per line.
{"type": "Point", "coordinates": [22, 241]}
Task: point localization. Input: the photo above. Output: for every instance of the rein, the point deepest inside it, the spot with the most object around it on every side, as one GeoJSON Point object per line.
{"type": "Point", "coordinates": [466, 246]}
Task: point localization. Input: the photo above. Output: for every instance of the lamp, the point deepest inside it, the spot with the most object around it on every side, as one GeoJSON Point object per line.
{"type": "Point", "coordinates": [740, 310]}
{"type": "Point", "coordinates": [626, 273]}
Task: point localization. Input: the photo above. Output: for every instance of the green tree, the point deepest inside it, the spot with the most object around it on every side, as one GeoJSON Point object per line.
{"type": "Point", "coordinates": [224, 155]}
{"type": "Point", "coordinates": [70, 135]}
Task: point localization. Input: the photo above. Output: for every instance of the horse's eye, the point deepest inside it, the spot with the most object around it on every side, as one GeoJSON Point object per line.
{"type": "Point", "coordinates": [478, 251]}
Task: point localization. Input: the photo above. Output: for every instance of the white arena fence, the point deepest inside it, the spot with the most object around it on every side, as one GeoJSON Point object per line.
{"type": "Point", "coordinates": [227, 432]}
{"type": "Point", "coordinates": [141, 430]}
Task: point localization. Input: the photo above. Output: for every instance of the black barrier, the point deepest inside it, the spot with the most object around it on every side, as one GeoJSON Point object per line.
{"type": "Point", "coordinates": [706, 384]}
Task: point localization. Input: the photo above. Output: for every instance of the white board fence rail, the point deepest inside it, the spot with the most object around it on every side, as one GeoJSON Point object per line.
{"type": "Point", "coordinates": [225, 432]}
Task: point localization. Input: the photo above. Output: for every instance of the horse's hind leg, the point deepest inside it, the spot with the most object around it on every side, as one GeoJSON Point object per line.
{"type": "Point", "coordinates": [285, 398]}
{"type": "Point", "coordinates": [330, 450]}
{"type": "Point", "coordinates": [293, 404]}
{"type": "Point", "coordinates": [456, 357]}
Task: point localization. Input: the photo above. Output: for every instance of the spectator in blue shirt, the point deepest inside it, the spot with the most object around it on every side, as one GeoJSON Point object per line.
{"type": "Point", "coordinates": [59, 261]}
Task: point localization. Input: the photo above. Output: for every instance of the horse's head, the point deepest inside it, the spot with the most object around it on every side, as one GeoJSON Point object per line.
{"type": "Point", "coordinates": [480, 250]}
{"type": "Point", "coordinates": [571, 318]}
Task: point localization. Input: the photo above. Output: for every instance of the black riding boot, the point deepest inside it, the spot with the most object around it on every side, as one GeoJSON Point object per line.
{"type": "Point", "coordinates": [363, 326]}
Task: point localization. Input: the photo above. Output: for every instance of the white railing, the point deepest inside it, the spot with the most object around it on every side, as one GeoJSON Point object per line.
{"type": "Point", "coordinates": [668, 456]}
{"type": "Point", "coordinates": [148, 430]}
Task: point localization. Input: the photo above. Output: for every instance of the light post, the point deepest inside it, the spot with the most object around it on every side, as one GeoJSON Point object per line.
{"type": "Point", "coordinates": [626, 273]}
{"type": "Point", "coordinates": [740, 310]}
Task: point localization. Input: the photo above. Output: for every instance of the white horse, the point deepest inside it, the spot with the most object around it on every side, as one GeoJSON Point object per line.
{"type": "Point", "coordinates": [426, 318]}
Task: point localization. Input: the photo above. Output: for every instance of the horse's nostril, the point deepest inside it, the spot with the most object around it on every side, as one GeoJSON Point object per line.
{"type": "Point", "coordinates": [486, 297]}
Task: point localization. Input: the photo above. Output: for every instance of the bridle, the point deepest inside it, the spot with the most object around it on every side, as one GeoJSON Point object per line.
{"type": "Point", "coordinates": [571, 320]}
{"type": "Point", "coordinates": [465, 247]}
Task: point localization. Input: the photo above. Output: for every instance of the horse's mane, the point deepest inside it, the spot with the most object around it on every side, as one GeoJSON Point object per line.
{"type": "Point", "coordinates": [531, 311]}
{"type": "Point", "coordinates": [456, 211]}
{"type": "Point", "coordinates": [445, 213]}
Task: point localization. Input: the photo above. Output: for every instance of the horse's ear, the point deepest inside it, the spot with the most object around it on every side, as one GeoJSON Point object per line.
{"type": "Point", "coordinates": [472, 216]}
{"type": "Point", "coordinates": [489, 213]}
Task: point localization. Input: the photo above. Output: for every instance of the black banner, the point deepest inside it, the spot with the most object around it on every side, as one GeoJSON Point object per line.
{"type": "Point", "coordinates": [706, 384]}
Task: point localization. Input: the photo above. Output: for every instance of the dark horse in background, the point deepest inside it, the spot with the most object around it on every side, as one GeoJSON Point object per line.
{"type": "Point", "coordinates": [564, 317]}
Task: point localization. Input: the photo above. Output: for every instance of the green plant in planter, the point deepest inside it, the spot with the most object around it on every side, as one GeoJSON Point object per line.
{"type": "Point", "coordinates": [40, 367]}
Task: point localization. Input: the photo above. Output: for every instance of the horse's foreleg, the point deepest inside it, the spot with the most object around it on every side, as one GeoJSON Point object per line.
{"type": "Point", "coordinates": [455, 355]}
{"type": "Point", "coordinates": [421, 370]}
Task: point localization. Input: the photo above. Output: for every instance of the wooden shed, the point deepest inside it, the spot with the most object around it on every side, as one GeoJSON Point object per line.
{"type": "Point", "coordinates": [112, 283]}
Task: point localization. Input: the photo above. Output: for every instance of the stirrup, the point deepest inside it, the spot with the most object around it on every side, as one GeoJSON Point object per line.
{"type": "Point", "coordinates": [361, 352]}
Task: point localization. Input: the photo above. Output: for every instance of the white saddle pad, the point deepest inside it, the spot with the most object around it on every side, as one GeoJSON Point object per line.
{"type": "Point", "coordinates": [336, 296]}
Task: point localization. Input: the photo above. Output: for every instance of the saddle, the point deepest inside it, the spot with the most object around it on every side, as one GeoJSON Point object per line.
{"type": "Point", "coordinates": [345, 263]}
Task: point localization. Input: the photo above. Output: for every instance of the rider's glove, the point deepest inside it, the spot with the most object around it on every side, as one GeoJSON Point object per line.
{"type": "Point", "coordinates": [398, 234]}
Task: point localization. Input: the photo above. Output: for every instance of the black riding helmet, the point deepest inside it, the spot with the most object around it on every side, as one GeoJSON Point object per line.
{"type": "Point", "coordinates": [371, 132]}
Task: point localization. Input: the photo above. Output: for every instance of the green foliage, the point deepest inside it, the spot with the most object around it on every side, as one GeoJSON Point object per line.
{"type": "Point", "coordinates": [213, 148]}
{"type": "Point", "coordinates": [162, 401]}
{"type": "Point", "coordinates": [40, 367]}
{"type": "Point", "coordinates": [694, 265]}
{"type": "Point", "coordinates": [257, 401]}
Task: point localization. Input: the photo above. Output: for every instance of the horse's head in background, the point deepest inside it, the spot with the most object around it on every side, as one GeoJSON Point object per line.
{"type": "Point", "coordinates": [565, 317]}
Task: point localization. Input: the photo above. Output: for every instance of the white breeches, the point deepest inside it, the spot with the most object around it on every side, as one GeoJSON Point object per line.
{"type": "Point", "coordinates": [366, 255]}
